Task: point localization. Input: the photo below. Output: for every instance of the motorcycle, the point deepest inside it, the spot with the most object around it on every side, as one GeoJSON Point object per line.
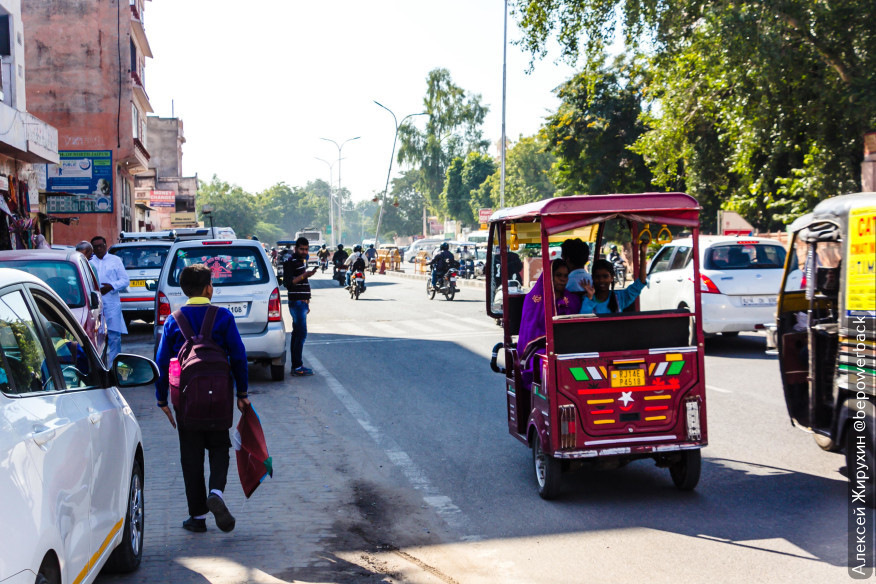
{"type": "Point", "coordinates": [467, 269]}
{"type": "Point", "coordinates": [340, 275]}
{"type": "Point", "coordinates": [372, 265]}
{"type": "Point", "coordinates": [446, 284]}
{"type": "Point", "coordinates": [357, 285]}
{"type": "Point", "coordinates": [323, 264]}
{"type": "Point", "coordinates": [620, 272]}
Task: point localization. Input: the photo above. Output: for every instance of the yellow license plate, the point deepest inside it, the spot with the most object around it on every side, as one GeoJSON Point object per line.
{"type": "Point", "coordinates": [137, 284]}
{"type": "Point", "coordinates": [627, 377]}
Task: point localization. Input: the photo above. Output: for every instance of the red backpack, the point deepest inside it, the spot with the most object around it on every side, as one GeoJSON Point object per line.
{"type": "Point", "coordinates": [205, 399]}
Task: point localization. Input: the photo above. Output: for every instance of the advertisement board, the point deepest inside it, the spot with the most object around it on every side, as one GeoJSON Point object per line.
{"type": "Point", "coordinates": [861, 261]}
{"type": "Point", "coordinates": [162, 199]}
{"type": "Point", "coordinates": [83, 180]}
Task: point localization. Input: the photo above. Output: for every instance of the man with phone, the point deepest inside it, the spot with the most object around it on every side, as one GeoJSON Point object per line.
{"type": "Point", "coordinates": [295, 279]}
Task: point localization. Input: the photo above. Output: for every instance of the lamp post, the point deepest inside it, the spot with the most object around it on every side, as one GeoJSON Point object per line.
{"type": "Point", "coordinates": [504, 68]}
{"type": "Point", "coordinates": [340, 147]}
{"type": "Point", "coordinates": [389, 172]}
{"type": "Point", "coordinates": [331, 197]}
{"type": "Point", "coordinates": [208, 211]}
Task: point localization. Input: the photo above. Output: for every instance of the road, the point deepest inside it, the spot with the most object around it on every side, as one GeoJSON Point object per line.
{"type": "Point", "coordinates": [393, 464]}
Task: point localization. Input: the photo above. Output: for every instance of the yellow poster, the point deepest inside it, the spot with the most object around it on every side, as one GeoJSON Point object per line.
{"type": "Point", "coordinates": [861, 271]}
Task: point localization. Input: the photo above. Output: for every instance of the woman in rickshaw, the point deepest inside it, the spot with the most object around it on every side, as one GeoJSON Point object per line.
{"type": "Point", "coordinates": [532, 322]}
{"type": "Point", "coordinates": [602, 298]}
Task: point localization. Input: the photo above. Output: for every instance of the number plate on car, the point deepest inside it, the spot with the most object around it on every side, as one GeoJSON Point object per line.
{"type": "Point", "coordinates": [759, 301]}
{"type": "Point", "coordinates": [236, 308]}
{"type": "Point", "coordinates": [627, 377]}
{"type": "Point", "coordinates": [137, 284]}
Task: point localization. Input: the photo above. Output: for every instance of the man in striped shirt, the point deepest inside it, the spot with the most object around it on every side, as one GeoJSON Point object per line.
{"type": "Point", "coordinates": [295, 276]}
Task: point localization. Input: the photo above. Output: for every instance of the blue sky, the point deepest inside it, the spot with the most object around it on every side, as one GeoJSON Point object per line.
{"type": "Point", "coordinates": [257, 87]}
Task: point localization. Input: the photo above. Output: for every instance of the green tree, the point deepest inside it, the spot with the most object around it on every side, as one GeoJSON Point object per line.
{"type": "Point", "coordinates": [477, 169]}
{"type": "Point", "coordinates": [232, 206]}
{"type": "Point", "coordinates": [760, 106]}
{"type": "Point", "coordinates": [406, 218]}
{"type": "Point", "coordinates": [591, 135]}
{"type": "Point", "coordinates": [453, 129]}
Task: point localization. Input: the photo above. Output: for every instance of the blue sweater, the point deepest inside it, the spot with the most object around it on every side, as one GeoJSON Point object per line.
{"type": "Point", "coordinates": [225, 334]}
{"type": "Point", "coordinates": [625, 297]}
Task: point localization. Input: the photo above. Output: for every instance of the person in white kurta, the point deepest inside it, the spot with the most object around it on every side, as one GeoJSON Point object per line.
{"type": "Point", "coordinates": [113, 277]}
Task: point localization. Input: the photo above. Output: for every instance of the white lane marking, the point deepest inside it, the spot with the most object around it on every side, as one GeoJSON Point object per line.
{"type": "Point", "coordinates": [718, 389]}
{"type": "Point", "coordinates": [443, 505]}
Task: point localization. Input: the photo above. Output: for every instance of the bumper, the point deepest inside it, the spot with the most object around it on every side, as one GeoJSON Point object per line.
{"type": "Point", "coordinates": [272, 343]}
{"type": "Point", "coordinates": [724, 314]}
{"type": "Point", "coordinates": [629, 450]}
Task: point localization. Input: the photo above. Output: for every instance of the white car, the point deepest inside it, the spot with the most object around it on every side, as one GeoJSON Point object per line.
{"type": "Point", "coordinates": [71, 454]}
{"type": "Point", "coordinates": [740, 279]}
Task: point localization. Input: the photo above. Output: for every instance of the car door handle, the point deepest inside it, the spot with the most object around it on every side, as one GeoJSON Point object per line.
{"type": "Point", "coordinates": [94, 416]}
{"type": "Point", "coordinates": [42, 434]}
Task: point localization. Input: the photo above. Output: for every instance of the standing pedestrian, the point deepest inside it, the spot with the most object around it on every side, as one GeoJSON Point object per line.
{"type": "Point", "coordinates": [295, 279]}
{"type": "Point", "coordinates": [195, 281]}
{"type": "Point", "coordinates": [113, 276]}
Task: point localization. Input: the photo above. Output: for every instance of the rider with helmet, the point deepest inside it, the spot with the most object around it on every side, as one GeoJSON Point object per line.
{"type": "Point", "coordinates": [356, 262]}
{"type": "Point", "coordinates": [441, 263]}
{"type": "Point", "coordinates": [370, 253]}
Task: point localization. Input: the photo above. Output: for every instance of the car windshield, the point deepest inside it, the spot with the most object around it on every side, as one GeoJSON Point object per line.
{"type": "Point", "coordinates": [231, 265]}
{"type": "Point", "coordinates": [141, 256]}
{"type": "Point", "coordinates": [744, 256]}
{"type": "Point", "coordinates": [61, 276]}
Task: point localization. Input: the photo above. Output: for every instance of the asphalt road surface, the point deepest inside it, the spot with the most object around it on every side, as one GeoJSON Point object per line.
{"type": "Point", "coordinates": [394, 464]}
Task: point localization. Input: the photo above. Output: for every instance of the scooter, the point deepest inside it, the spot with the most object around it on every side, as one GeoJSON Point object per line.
{"type": "Point", "coordinates": [620, 272]}
{"type": "Point", "coordinates": [357, 285]}
{"type": "Point", "coordinates": [323, 264]}
{"type": "Point", "coordinates": [340, 275]}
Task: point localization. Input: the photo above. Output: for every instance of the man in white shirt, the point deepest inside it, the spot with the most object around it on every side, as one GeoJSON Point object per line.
{"type": "Point", "coordinates": [113, 277]}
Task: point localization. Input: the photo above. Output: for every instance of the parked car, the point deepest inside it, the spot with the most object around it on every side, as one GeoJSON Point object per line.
{"type": "Point", "coordinates": [244, 283]}
{"type": "Point", "coordinates": [71, 484]}
{"type": "Point", "coordinates": [419, 245]}
{"type": "Point", "coordinates": [69, 274]}
{"type": "Point", "coordinates": [739, 280]}
{"type": "Point", "coordinates": [143, 254]}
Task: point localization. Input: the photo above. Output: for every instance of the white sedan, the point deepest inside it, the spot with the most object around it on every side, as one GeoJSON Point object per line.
{"type": "Point", "coordinates": [71, 454]}
{"type": "Point", "coordinates": [739, 280]}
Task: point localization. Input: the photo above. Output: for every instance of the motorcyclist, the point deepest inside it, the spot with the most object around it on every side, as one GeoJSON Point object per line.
{"type": "Point", "coordinates": [356, 262]}
{"type": "Point", "coordinates": [339, 257]}
{"type": "Point", "coordinates": [323, 255]}
{"type": "Point", "coordinates": [617, 263]}
{"type": "Point", "coordinates": [614, 256]}
{"type": "Point", "coordinates": [466, 261]}
{"type": "Point", "coordinates": [441, 263]}
{"type": "Point", "coordinates": [370, 253]}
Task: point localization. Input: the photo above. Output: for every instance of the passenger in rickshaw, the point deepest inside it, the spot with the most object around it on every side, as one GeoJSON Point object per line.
{"type": "Point", "coordinates": [532, 321]}
{"type": "Point", "coordinates": [576, 253]}
{"type": "Point", "coordinates": [601, 297]}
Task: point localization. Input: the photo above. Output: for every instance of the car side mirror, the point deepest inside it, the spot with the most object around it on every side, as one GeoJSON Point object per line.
{"type": "Point", "coordinates": [95, 298]}
{"type": "Point", "coordinates": [133, 370]}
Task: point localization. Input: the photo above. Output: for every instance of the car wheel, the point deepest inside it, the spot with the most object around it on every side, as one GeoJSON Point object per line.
{"type": "Point", "coordinates": [278, 372]}
{"type": "Point", "coordinates": [126, 557]}
{"type": "Point", "coordinates": [686, 472]}
{"type": "Point", "coordinates": [548, 471]}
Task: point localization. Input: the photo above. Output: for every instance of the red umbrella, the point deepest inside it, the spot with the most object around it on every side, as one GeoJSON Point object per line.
{"type": "Point", "coordinates": [253, 462]}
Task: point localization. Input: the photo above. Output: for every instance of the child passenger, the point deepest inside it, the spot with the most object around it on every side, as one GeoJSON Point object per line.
{"type": "Point", "coordinates": [601, 297]}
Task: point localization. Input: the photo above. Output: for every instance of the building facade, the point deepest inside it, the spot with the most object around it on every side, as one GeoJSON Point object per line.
{"type": "Point", "coordinates": [27, 143]}
{"type": "Point", "coordinates": [164, 199]}
{"type": "Point", "coordinates": [86, 76]}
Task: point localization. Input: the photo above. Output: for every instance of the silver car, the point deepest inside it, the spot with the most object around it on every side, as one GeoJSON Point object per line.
{"type": "Point", "coordinates": [243, 282]}
{"type": "Point", "coordinates": [143, 254]}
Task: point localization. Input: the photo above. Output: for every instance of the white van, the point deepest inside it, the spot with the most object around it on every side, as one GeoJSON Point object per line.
{"type": "Point", "coordinates": [420, 245]}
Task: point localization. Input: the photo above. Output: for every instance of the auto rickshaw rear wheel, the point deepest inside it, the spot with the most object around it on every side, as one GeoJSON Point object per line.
{"type": "Point", "coordinates": [548, 471]}
{"type": "Point", "coordinates": [686, 472]}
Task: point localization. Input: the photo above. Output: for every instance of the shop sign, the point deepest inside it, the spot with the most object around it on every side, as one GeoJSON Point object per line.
{"type": "Point", "coordinates": [183, 220]}
{"type": "Point", "coordinates": [162, 199]}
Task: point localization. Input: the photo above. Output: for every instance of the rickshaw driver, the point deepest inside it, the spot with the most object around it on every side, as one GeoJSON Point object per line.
{"type": "Point", "coordinates": [601, 297]}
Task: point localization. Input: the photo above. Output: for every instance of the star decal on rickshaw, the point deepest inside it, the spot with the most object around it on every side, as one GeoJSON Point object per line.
{"type": "Point", "coordinates": [627, 398]}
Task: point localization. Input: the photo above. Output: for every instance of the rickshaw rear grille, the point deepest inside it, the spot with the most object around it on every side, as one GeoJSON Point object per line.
{"type": "Point", "coordinates": [568, 426]}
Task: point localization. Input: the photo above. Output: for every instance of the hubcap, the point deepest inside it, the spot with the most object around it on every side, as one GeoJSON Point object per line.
{"type": "Point", "coordinates": [136, 510]}
{"type": "Point", "coordinates": [539, 464]}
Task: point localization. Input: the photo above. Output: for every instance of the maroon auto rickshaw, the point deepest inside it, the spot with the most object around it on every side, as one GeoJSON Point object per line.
{"type": "Point", "coordinates": [604, 388]}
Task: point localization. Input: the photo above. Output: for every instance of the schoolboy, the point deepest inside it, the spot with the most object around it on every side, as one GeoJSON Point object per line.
{"type": "Point", "coordinates": [196, 284]}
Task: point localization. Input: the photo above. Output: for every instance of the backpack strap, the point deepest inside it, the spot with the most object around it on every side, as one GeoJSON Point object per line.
{"type": "Point", "coordinates": [184, 326]}
{"type": "Point", "coordinates": [209, 321]}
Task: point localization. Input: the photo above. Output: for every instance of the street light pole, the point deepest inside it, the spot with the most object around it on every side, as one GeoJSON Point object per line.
{"type": "Point", "coordinates": [331, 197]}
{"type": "Point", "coordinates": [340, 147]}
{"type": "Point", "coordinates": [389, 172]}
{"type": "Point", "coordinates": [504, 68]}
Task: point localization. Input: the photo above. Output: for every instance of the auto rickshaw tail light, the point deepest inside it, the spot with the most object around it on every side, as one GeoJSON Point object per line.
{"type": "Point", "coordinates": [275, 314]}
{"type": "Point", "coordinates": [692, 418]}
{"type": "Point", "coordinates": [163, 308]}
{"type": "Point", "coordinates": [568, 426]}
{"type": "Point", "coordinates": [707, 286]}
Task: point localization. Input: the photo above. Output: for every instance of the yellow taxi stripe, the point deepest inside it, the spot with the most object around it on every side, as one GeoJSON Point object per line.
{"type": "Point", "coordinates": [599, 401]}
{"type": "Point", "coordinates": [604, 372]}
{"type": "Point", "coordinates": [673, 357]}
{"type": "Point", "coordinates": [650, 397]}
{"type": "Point", "coordinates": [99, 552]}
{"type": "Point", "coordinates": [651, 367]}
{"type": "Point", "coordinates": [652, 418]}
{"type": "Point", "coordinates": [626, 361]}
{"type": "Point", "coordinates": [603, 421]}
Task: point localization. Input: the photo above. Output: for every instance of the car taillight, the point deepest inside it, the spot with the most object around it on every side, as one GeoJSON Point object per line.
{"type": "Point", "coordinates": [274, 312]}
{"type": "Point", "coordinates": [163, 307]}
{"type": "Point", "coordinates": [707, 286]}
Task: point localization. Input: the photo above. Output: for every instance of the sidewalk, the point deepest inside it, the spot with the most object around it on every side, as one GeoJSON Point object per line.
{"type": "Point", "coordinates": [327, 515]}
